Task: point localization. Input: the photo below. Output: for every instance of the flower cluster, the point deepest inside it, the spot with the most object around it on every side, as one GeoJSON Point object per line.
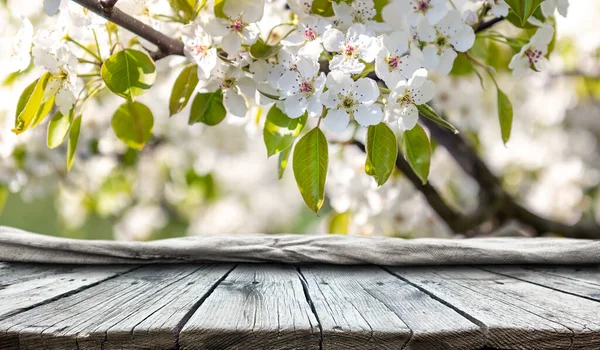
{"type": "Point", "coordinates": [347, 67]}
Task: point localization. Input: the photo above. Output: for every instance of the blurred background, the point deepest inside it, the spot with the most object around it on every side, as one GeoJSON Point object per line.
{"type": "Point", "coordinates": [194, 180]}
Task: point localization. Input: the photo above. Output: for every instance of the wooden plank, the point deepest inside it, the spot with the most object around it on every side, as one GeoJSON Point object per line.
{"type": "Point", "coordinates": [589, 274]}
{"type": "Point", "coordinates": [155, 298]}
{"type": "Point", "coordinates": [580, 287]}
{"type": "Point", "coordinates": [255, 307]}
{"type": "Point", "coordinates": [517, 314]}
{"type": "Point", "coordinates": [368, 308]}
{"type": "Point", "coordinates": [26, 285]}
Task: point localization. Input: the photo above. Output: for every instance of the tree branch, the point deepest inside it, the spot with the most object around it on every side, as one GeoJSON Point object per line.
{"type": "Point", "coordinates": [105, 8]}
{"type": "Point", "coordinates": [495, 204]}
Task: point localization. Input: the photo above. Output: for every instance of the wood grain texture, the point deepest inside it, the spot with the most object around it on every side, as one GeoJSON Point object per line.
{"type": "Point", "coordinates": [141, 309]}
{"type": "Point", "coordinates": [570, 281]}
{"type": "Point", "coordinates": [368, 308]}
{"type": "Point", "coordinates": [260, 306]}
{"type": "Point", "coordinates": [23, 286]}
{"type": "Point", "coordinates": [255, 307]}
{"type": "Point", "coordinates": [516, 314]}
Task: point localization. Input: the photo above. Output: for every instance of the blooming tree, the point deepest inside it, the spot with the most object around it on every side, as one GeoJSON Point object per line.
{"type": "Point", "coordinates": [318, 69]}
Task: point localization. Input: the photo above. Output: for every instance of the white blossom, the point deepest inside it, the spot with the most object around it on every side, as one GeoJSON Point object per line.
{"type": "Point", "coordinates": [358, 11]}
{"type": "Point", "coordinates": [358, 44]}
{"type": "Point", "coordinates": [302, 88]}
{"type": "Point", "coordinates": [393, 63]}
{"type": "Point", "coordinates": [498, 8]}
{"type": "Point", "coordinates": [63, 83]}
{"type": "Point", "coordinates": [21, 56]}
{"type": "Point", "coordinates": [402, 101]}
{"type": "Point", "coordinates": [233, 83]}
{"type": "Point", "coordinates": [417, 10]}
{"type": "Point", "coordinates": [53, 6]}
{"type": "Point", "coordinates": [532, 55]}
{"type": "Point", "coordinates": [550, 6]}
{"type": "Point", "coordinates": [239, 28]}
{"type": "Point", "coordinates": [301, 8]}
{"type": "Point", "coordinates": [309, 36]}
{"type": "Point", "coordinates": [443, 39]}
{"type": "Point", "coordinates": [348, 99]}
{"type": "Point", "coordinates": [200, 50]}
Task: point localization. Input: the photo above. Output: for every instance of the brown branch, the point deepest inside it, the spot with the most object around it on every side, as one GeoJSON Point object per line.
{"type": "Point", "coordinates": [105, 8]}
{"type": "Point", "coordinates": [495, 204]}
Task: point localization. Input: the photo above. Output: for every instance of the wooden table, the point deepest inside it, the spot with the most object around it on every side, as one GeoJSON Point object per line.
{"type": "Point", "coordinates": [245, 306]}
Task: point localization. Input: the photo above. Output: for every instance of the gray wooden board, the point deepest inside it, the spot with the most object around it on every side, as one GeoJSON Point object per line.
{"type": "Point", "coordinates": [582, 287]}
{"type": "Point", "coordinates": [24, 285]}
{"type": "Point", "coordinates": [311, 307]}
{"type": "Point", "coordinates": [516, 314]}
{"type": "Point", "coordinates": [589, 274]}
{"type": "Point", "coordinates": [255, 307]}
{"type": "Point", "coordinates": [140, 309]}
{"type": "Point", "coordinates": [368, 308]}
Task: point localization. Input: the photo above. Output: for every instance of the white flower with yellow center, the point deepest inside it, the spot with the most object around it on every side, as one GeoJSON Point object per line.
{"type": "Point", "coordinates": [239, 27]}
{"type": "Point", "coordinates": [393, 63]}
{"type": "Point", "coordinates": [302, 89]}
{"type": "Point", "coordinates": [348, 99]}
{"type": "Point", "coordinates": [200, 50]}
{"type": "Point", "coordinates": [404, 98]}
{"type": "Point", "coordinates": [533, 55]}
{"type": "Point", "coordinates": [443, 40]}
{"type": "Point", "coordinates": [359, 44]}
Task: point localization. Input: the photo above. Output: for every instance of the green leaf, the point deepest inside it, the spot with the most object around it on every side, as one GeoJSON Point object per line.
{"type": "Point", "coordinates": [261, 50]}
{"type": "Point", "coordinates": [272, 97]}
{"type": "Point", "coordinates": [132, 123]}
{"type": "Point", "coordinates": [58, 128]}
{"type": "Point", "coordinates": [219, 4]}
{"type": "Point", "coordinates": [418, 151]}
{"type": "Point", "coordinates": [44, 110]}
{"type": "Point", "coordinates": [322, 8]}
{"type": "Point", "coordinates": [3, 196]}
{"type": "Point", "coordinates": [280, 131]}
{"type": "Point", "coordinates": [128, 73]}
{"type": "Point", "coordinates": [72, 144]}
{"type": "Point", "coordinates": [282, 162]}
{"type": "Point", "coordinates": [339, 223]}
{"type": "Point", "coordinates": [429, 113]}
{"type": "Point", "coordinates": [185, 7]}
{"type": "Point", "coordinates": [310, 167]}
{"type": "Point", "coordinates": [505, 114]}
{"type": "Point", "coordinates": [182, 89]}
{"type": "Point", "coordinates": [379, 5]}
{"type": "Point", "coordinates": [382, 151]}
{"type": "Point", "coordinates": [208, 108]}
{"type": "Point", "coordinates": [29, 105]}
{"type": "Point", "coordinates": [524, 8]}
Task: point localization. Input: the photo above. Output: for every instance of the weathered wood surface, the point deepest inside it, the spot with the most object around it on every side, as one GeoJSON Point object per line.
{"type": "Point", "coordinates": [245, 306]}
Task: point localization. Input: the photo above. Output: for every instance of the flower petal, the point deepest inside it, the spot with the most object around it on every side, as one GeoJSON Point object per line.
{"type": "Point", "coordinates": [408, 118]}
{"type": "Point", "coordinates": [425, 93]}
{"type": "Point", "coordinates": [234, 103]}
{"type": "Point", "coordinates": [366, 90]}
{"type": "Point", "coordinates": [295, 106]}
{"type": "Point", "coordinates": [231, 43]}
{"type": "Point", "coordinates": [336, 120]}
{"type": "Point", "coordinates": [333, 40]}
{"type": "Point", "coordinates": [368, 115]}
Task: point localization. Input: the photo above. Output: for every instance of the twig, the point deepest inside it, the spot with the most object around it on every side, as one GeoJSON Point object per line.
{"type": "Point", "coordinates": [487, 24]}
{"type": "Point", "coordinates": [166, 45]}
